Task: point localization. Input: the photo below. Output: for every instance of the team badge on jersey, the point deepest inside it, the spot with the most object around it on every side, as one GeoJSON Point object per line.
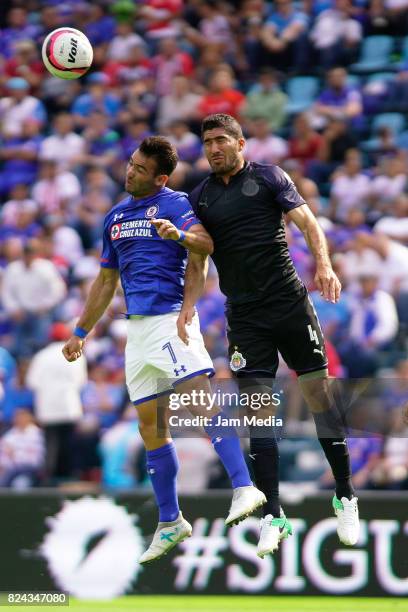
{"type": "Point", "coordinates": [237, 360]}
{"type": "Point", "coordinates": [250, 187]}
{"type": "Point", "coordinates": [152, 211]}
{"type": "Point", "coordinates": [115, 231]}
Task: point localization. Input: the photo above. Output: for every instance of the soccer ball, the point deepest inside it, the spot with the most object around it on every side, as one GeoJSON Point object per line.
{"type": "Point", "coordinates": [67, 53]}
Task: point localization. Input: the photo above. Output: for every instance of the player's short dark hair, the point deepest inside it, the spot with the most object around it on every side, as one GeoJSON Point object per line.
{"type": "Point", "coordinates": [220, 120]}
{"type": "Point", "coordinates": [162, 151]}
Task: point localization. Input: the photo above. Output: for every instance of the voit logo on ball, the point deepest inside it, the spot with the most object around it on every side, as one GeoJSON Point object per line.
{"type": "Point", "coordinates": [92, 548]}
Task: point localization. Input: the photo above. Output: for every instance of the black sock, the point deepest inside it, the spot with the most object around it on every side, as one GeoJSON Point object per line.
{"type": "Point", "coordinates": [264, 456]}
{"type": "Point", "coordinates": [337, 455]}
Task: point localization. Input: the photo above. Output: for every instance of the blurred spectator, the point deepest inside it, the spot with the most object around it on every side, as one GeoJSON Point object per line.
{"type": "Point", "coordinates": [55, 191]}
{"type": "Point", "coordinates": [22, 452]}
{"type": "Point", "coordinates": [351, 188]}
{"type": "Point", "coordinates": [188, 145]}
{"type": "Point", "coordinates": [22, 224]}
{"type": "Point", "coordinates": [20, 157]}
{"type": "Point", "coordinates": [395, 223]}
{"type": "Point", "coordinates": [221, 97]}
{"type": "Point", "coordinates": [32, 287]}
{"type": "Point", "coordinates": [95, 100]}
{"type": "Point", "coordinates": [307, 189]}
{"type": "Point", "coordinates": [119, 448]}
{"type": "Point", "coordinates": [17, 393]}
{"type": "Point", "coordinates": [134, 67]}
{"type": "Point", "coordinates": [101, 142]}
{"type": "Point", "coordinates": [396, 92]}
{"type": "Point", "coordinates": [25, 63]}
{"type": "Point", "coordinates": [180, 104]}
{"type": "Point", "coordinates": [18, 29]}
{"type": "Point", "coordinates": [284, 37]}
{"type": "Point", "coordinates": [19, 199]}
{"type": "Point", "coordinates": [57, 385]}
{"type": "Point", "coordinates": [338, 100]}
{"type": "Point", "coordinates": [336, 35]}
{"type": "Point", "coordinates": [374, 324]}
{"type": "Point", "coordinates": [192, 451]}
{"type": "Point", "coordinates": [170, 60]}
{"type": "Point", "coordinates": [304, 143]}
{"type": "Point", "coordinates": [160, 18]}
{"type": "Point", "coordinates": [266, 100]}
{"type": "Point", "coordinates": [123, 42]}
{"type": "Point", "coordinates": [18, 107]}
{"type": "Point", "coordinates": [263, 146]}
{"type": "Point", "coordinates": [336, 141]}
{"type": "Point", "coordinates": [390, 182]}
{"type": "Point", "coordinates": [101, 26]}
{"type": "Point", "coordinates": [64, 145]}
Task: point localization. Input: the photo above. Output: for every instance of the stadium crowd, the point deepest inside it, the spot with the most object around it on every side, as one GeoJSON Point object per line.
{"type": "Point", "coordinates": [320, 87]}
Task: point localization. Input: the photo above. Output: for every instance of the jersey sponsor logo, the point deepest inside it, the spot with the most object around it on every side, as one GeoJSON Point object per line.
{"type": "Point", "coordinates": [117, 216]}
{"type": "Point", "coordinates": [152, 211]}
{"type": "Point", "coordinates": [135, 228]}
{"type": "Point", "coordinates": [237, 361]}
{"type": "Point", "coordinates": [115, 231]}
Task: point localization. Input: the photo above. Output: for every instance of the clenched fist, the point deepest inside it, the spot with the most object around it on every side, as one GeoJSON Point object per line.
{"type": "Point", "coordinates": [73, 348]}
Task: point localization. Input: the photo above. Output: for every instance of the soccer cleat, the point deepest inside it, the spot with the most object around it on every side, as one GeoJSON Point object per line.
{"type": "Point", "coordinates": [166, 537]}
{"type": "Point", "coordinates": [348, 525]}
{"type": "Point", "coordinates": [245, 500]}
{"type": "Point", "coordinates": [273, 530]}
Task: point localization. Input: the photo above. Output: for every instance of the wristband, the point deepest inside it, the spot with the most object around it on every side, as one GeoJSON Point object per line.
{"type": "Point", "coordinates": [182, 236]}
{"type": "Point", "coordinates": [80, 332]}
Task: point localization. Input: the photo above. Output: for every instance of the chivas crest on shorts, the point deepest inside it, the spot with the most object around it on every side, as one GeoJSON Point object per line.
{"type": "Point", "coordinates": [237, 360]}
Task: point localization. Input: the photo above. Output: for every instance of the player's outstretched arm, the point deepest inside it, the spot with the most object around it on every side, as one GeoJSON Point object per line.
{"type": "Point", "coordinates": [196, 240]}
{"type": "Point", "coordinates": [325, 277]}
{"type": "Point", "coordinates": [100, 295]}
{"type": "Point", "coordinates": [194, 281]}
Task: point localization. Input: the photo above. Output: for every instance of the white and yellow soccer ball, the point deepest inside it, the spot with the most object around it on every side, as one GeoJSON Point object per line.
{"type": "Point", "coordinates": [67, 53]}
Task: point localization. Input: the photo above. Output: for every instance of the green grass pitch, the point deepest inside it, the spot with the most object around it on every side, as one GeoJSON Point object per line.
{"type": "Point", "coordinates": [230, 603]}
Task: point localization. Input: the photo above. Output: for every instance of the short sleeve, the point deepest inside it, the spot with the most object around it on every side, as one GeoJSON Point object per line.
{"type": "Point", "coordinates": [283, 189]}
{"type": "Point", "coordinates": [195, 195]}
{"type": "Point", "coordinates": [184, 217]}
{"type": "Point", "coordinates": [108, 257]}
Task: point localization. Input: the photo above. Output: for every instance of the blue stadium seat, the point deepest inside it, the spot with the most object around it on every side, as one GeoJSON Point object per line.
{"type": "Point", "coordinates": [353, 81]}
{"type": "Point", "coordinates": [404, 57]}
{"type": "Point", "coordinates": [302, 92]}
{"type": "Point", "coordinates": [395, 121]}
{"type": "Point", "coordinates": [402, 140]}
{"type": "Point", "coordinates": [380, 76]}
{"type": "Point", "coordinates": [374, 55]}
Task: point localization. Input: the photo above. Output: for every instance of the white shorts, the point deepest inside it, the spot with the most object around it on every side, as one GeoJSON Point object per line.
{"type": "Point", "coordinates": [156, 358]}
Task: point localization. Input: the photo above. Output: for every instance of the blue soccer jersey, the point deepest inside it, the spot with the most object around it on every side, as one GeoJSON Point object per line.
{"type": "Point", "coordinates": [151, 269]}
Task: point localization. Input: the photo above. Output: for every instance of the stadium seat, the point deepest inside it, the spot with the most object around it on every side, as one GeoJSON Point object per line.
{"type": "Point", "coordinates": [374, 55]}
{"type": "Point", "coordinates": [302, 92]}
{"type": "Point", "coordinates": [402, 140]}
{"type": "Point", "coordinates": [395, 121]}
{"type": "Point", "coordinates": [380, 76]}
{"type": "Point", "coordinates": [404, 55]}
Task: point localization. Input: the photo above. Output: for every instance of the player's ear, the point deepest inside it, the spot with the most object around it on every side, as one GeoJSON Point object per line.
{"type": "Point", "coordinates": [241, 144]}
{"type": "Point", "coordinates": [161, 179]}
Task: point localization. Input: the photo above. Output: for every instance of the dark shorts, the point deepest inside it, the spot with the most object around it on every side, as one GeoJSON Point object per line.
{"type": "Point", "coordinates": [256, 335]}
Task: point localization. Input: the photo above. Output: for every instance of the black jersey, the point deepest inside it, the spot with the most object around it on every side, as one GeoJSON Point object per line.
{"type": "Point", "coordinates": [245, 221]}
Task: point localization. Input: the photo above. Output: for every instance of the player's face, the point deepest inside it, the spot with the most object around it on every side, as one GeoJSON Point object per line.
{"type": "Point", "coordinates": [224, 152]}
{"type": "Point", "coordinates": [141, 177]}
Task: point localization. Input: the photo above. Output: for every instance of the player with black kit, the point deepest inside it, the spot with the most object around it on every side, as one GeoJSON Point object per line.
{"type": "Point", "coordinates": [241, 204]}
